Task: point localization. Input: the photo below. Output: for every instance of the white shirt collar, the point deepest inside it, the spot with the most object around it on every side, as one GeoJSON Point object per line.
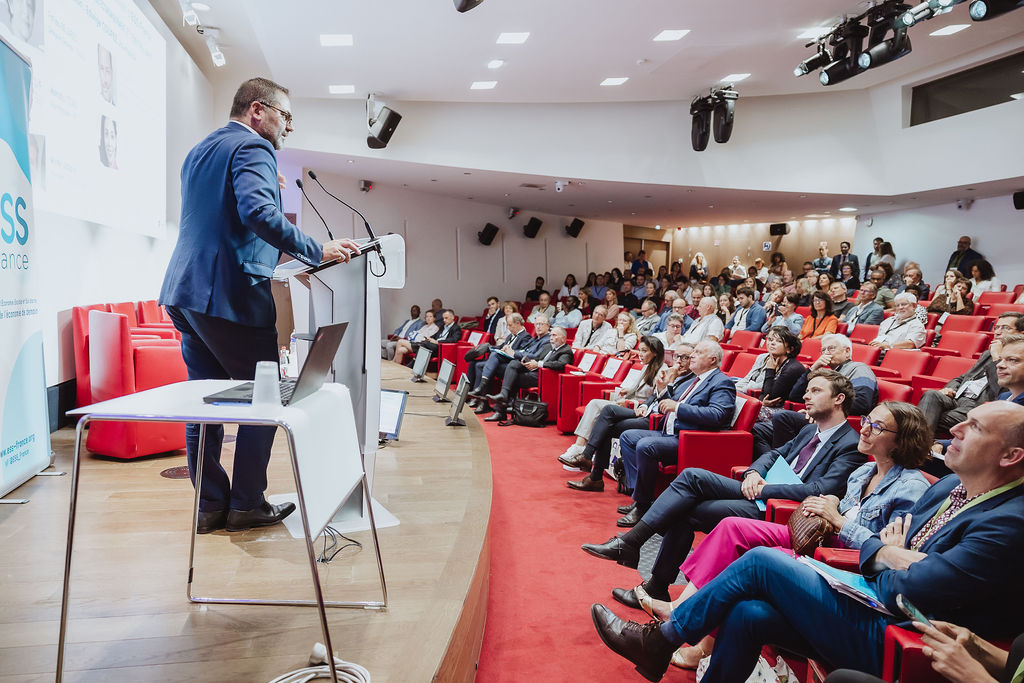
{"type": "Point", "coordinates": [248, 128]}
{"type": "Point", "coordinates": [825, 435]}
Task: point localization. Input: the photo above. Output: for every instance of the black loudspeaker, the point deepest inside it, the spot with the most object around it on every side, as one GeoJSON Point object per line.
{"type": "Point", "coordinates": [1018, 200]}
{"type": "Point", "coordinates": [487, 235]}
{"type": "Point", "coordinates": [777, 229]}
{"type": "Point", "coordinates": [532, 228]}
{"type": "Point", "coordinates": [382, 128]}
{"type": "Point", "coordinates": [573, 229]}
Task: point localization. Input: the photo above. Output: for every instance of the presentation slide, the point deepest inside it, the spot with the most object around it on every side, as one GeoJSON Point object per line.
{"type": "Point", "coordinates": [98, 111]}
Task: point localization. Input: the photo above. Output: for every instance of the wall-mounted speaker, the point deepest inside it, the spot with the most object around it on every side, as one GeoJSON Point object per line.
{"type": "Point", "coordinates": [573, 229]}
{"type": "Point", "coordinates": [532, 227]}
{"type": "Point", "coordinates": [777, 229]}
{"type": "Point", "coordinates": [1018, 200]}
{"type": "Point", "coordinates": [487, 235]}
{"type": "Point", "coordinates": [382, 128]}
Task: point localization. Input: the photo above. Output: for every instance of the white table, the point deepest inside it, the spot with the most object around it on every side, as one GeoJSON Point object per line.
{"type": "Point", "coordinates": [324, 451]}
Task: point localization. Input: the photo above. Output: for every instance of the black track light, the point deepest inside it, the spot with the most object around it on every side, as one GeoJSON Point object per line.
{"type": "Point", "coordinates": [847, 42]}
{"type": "Point", "coordinates": [820, 59]}
{"type": "Point", "coordinates": [884, 20]}
{"type": "Point", "coordinates": [700, 128]}
{"type": "Point", "coordinates": [724, 113]}
{"type": "Point", "coordinates": [981, 10]}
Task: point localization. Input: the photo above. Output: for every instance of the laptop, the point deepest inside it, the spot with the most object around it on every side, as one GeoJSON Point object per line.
{"type": "Point", "coordinates": [310, 379]}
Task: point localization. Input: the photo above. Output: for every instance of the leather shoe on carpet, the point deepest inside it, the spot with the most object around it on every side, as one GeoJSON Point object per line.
{"type": "Point", "coordinates": [626, 509]}
{"type": "Point", "coordinates": [482, 409]}
{"type": "Point", "coordinates": [506, 422]}
{"type": "Point", "coordinates": [576, 462]}
{"type": "Point", "coordinates": [497, 417]}
{"type": "Point", "coordinates": [211, 521]}
{"type": "Point", "coordinates": [635, 597]}
{"type": "Point", "coordinates": [632, 517]}
{"type": "Point", "coordinates": [264, 515]}
{"type": "Point", "coordinates": [644, 645]}
{"type": "Point", "coordinates": [586, 484]}
{"type": "Point", "coordinates": [497, 399]}
{"type": "Point", "coordinates": [614, 549]}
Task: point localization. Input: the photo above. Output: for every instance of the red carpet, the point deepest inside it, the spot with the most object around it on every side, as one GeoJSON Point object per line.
{"type": "Point", "coordinates": [542, 584]}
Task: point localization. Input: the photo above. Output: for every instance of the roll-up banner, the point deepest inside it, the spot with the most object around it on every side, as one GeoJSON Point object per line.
{"type": "Point", "coordinates": [24, 428]}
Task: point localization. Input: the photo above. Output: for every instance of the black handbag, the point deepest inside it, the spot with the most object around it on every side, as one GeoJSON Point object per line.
{"type": "Point", "coordinates": [529, 413]}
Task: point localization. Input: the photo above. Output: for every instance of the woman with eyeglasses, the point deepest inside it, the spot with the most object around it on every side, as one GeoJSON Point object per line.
{"type": "Point", "coordinates": [896, 434]}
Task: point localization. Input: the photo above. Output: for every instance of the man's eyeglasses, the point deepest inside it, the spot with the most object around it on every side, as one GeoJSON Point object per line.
{"type": "Point", "coordinates": [287, 115]}
{"type": "Point", "coordinates": [876, 428]}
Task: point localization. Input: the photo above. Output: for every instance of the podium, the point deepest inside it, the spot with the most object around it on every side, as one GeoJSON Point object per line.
{"type": "Point", "coordinates": [349, 292]}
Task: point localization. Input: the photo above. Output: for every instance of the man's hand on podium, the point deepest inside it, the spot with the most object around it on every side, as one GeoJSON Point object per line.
{"type": "Point", "coordinates": [340, 250]}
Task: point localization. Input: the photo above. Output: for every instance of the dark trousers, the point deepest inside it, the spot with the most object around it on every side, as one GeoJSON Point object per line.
{"type": "Point", "coordinates": [493, 366]}
{"type": "Point", "coordinates": [781, 430]}
{"type": "Point", "coordinates": [767, 597]}
{"type": "Point", "coordinates": [612, 421]}
{"type": "Point", "coordinates": [516, 377]}
{"type": "Point", "coordinates": [215, 348]}
{"type": "Point", "coordinates": [696, 500]}
{"type": "Point", "coordinates": [642, 452]}
{"type": "Point", "coordinates": [944, 412]}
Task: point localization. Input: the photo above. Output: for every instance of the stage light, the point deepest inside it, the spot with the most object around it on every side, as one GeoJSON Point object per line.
{"type": "Point", "coordinates": [982, 10]}
{"type": "Point", "coordinates": [188, 14]}
{"type": "Point", "coordinates": [466, 5]}
{"type": "Point", "coordinates": [724, 113]}
{"type": "Point", "coordinates": [700, 127]}
{"type": "Point", "coordinates": [926, 10]}
{"type": "Point", "coordinates": [381, 122]}
{"type": "Point", "coordinates": [847, 42]}
{"type": "Point", "coordinates": [820, 59]}
{"type": "Point", "coordinates": [881, 20]}
{"type": "Point", "coordinates": [211, 35]}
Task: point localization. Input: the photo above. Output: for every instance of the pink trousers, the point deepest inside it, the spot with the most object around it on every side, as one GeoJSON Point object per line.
{"type": "Point", "coordinates": [730, 538]}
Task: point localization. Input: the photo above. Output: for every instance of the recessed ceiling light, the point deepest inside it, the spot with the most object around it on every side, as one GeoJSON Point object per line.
{"type": "Point", "coordinates": [814, 33]}
{"type": "Point", "coordinates": [735, 78]}
{"type": "Point", "coordinates": [950, 30]}
{"type": "Point", "coordinates": [848, 209]}
{"type": "Point", "coordinates": [671, 34]}
{"type": "Point", "coordinates": [336, 39]}
{"type": "Point", "coordinates": [351, 161]}
{"type": "Point", "coordinates": [495, 63]}
{"type": "Point", "coordinates": [483, 85]}
{"type": "Point", "coordinates": [657, 227]}
{"type": "Point", "coordinates": [200, 7]}
{"type": "Point", "coordinates": [619, 80]}
{"type": "Point", "coordinates": [512, 38]}
{"type": "Point", "coordinates": [341, 89]}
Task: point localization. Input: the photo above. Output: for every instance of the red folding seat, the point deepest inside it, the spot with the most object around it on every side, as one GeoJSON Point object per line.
{"type": "Point", "coordinates": [1003, 297]}
{"type": "Point", "coordinates": [473, 339]}
{"type": "Point", "coordinates": [900, 365]}
{"type": "Point", "coordinates": [890, 391]}
{"type": "Point", "coordinates": [741, 364]}
{"type": "Point", "coordinates": [743, 340]}
{"type": "Point", "coordinates": [963, 344]}
{"type": "Point", "coordinates": [718, 451]}
{"type": "Point", "coordinates": [963, 323]}
{"type": "Point", "coordinates": [945, 369]}
{"type": "Point", "coordinates": [862, 334]}
{"type": "Point", "coordinates": [612, 370]}
{"type": "Point", "coordinates": [862, 353]}
{"type": "Point", "coordinates": [810, 349]}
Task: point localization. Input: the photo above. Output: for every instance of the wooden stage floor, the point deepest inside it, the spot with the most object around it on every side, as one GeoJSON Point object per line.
{"type": "Point", "coordinates": [130, 619]}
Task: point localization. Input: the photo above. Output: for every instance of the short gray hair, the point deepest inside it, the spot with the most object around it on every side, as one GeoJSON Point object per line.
{"type": "Point", "coordinates": [516, 318]}
{"type": "Point", "coordinates": [840, 339]}
{"type": "Point", "coordinates": [716, 349]}
{"type": "Point", "coordinates": [905, 296]}
{"type": "Point", "coordinates": [541, 318]}
{"type": "Point", "coordinates": [675, 316]}
{"type": "Point", "coordinates": [559, 329]}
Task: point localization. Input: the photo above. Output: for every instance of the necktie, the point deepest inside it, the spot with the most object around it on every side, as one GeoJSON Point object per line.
{"type": "Point", "coordinates": [689, 390]}
{"type": "Point", "coordinates": [804, 456]}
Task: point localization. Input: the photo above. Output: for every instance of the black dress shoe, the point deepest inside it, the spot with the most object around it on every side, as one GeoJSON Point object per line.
{"type": "Point", "coordinates": [497, 417]}
{"type": "Point", "coordinates": [211, 521]}
{"type": "Point", "coordinates": [506, 422]}
{"type": "Point", "coordinates": [632, 517]}
{"type": "Point", "coordinates": [477, 393]}
{"type": "Point", "coordinates": [482, 409]}
{"type": "Point", "coordinates": [586, 484]}
{"type": "Point", "coordinates": [644, 645]}
{"type": "Point", "coordinates": [628, 596]}
{"type": "Point", "coordinates": [614, 549]}
{"type": "Point", "coordinates": [497, 399]}
{"type": "Point", "coordinates": [626, 509]}
{"type": "Point", "coordinates": [264, 515]}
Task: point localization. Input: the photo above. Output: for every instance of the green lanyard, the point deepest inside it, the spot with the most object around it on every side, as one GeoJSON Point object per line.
{"type": "Point", "coordinates": [1018, 675]}
{"type": "Point", "coordinates": [945, 506]}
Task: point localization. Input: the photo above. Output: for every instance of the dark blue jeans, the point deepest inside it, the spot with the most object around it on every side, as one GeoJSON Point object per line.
{"type": "Point", "coordinates": [215, 348]}
{"type": "Point", "coordinates": [768, 597]}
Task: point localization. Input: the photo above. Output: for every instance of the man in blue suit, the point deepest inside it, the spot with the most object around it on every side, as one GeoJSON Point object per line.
{"type": "Point", "coordinates": [707, 403]}
{"type": "Point", "coordinates": [479, 372]}
{"type": "Point", "coordinates": [217, 287]}
{"type": "Point", "coordinates": [958, 557]}
{"type": "Point", "coordinates": [822, 455]}
{"type": "Point", "coordinates": [749, 314]}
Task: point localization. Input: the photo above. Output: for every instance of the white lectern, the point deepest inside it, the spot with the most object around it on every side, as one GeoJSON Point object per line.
{"type": "Point", "coordinates": [349, 292]}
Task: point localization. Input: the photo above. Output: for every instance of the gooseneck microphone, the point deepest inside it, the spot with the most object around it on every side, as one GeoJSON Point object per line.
{"type": "Point", "coordinates": [374, 245]}
{"type": "Point", "coordinates": [298, 181]}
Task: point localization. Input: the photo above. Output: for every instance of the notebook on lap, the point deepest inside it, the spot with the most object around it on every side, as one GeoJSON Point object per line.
{"type": "Point", "coordinates": [311, 377]}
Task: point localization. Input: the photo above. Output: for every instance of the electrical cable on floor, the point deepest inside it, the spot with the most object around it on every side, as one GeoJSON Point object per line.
{"type": "Point", "coordinates": [348, 672]}
{"type": "Point", "coordinates": [333, 534]}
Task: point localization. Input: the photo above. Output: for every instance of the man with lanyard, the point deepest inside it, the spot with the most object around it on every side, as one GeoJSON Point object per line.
{"type": "Point", "coordinates": [903, 330]}
{"type": "Point", "coordinates": [958, 557]}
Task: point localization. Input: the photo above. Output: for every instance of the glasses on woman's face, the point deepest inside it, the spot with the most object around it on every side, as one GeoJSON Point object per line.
{"type": "Point", "coordinates": [876, 428]}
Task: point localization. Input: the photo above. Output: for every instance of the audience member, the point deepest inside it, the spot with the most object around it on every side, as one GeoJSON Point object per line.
{"type": "Point", "coordinates": [492, 315]}
{"type": "Point", "coordinates": [884, 295]}
{"type": "Point", "coordinates": [983, 278]}
{"type": "Point", "coordinates": [849, 278]}
{"type": "Point", "coordinates": [648, 319]}
{"type": "Point", "coordinates": [569, 287]}
{"type": "Point", "coordinates": [410, 345]}
{"type": "Point", "coordinates": [807, 283]}
{"type": "Point", "coordinates": [951, 295]}
{"type": "Point", "coordinates": [778, 264]}
{"type": "Point", "coordinates": [887, 255]}
{"type": "Point", "coordinates": [627, 299]}
{"type": "Point", "coordinates": [737, 271]}
{"type": "Point", "coordinates": [821, 321]}
{"type": "Point", "coordinates": [522, 373]}
{"type": "Point", "coordinates": [749, 314]}
{"type": "Point", "coordinates": [912, 276]}
{"type": "Point", "coordinates": [963, 257]}
{"type": "Point", "coordinates": [538, 289]}
{"type": "Point", "coordinates": [699, 267]}
{"type": "Point", "coordinates": [760, 270]}
{"type": "Point", "coordinates": [641, 266]}
{"type": "Point", "coordinates": [823, 282]}
{"type": "Point", "coordinates": [479, 371]}
{"type": "Point", "coordinates": [611, 303]}
{"type": "Point", "coordinates": [840, 304]}
{"type": "Point", "coordinates": [1010, 369]}
{"type": "Point", "coordinates": [707, 404]}
{"type": "Point", "coordinates": [944, 408]}
{"type": "Point", "coordinates": [626, 334]}
{"type": "Point", "coordinates": [920, 312]}
{"type": "Point", "coordinates": [627, 265]}
{"type": "Point", "coordinates": [496, 362]}
{"type": "Point", "coordinates": [726, 306]}
{"type": "Point", "coordinates": [437, 308]}
{"type": "Point", "coordinates": [873, 259]}
{"type": "Point", "coordinates": [785, 314]}
{"type": "Point", "coordinates": [954, 558]}
{"type": "Point", "coordinates": [600, 286]}
{"type": "Point", "coordinates": [543, 308]}
{"type": "Point", "coordinates": [866, 312]}
{"type": "Point", "coordinates": [651, 293]}
{"type": "Point", "coordinates": [843, 258]}
{"type": "Point", "coordinates": [616, 280]}
{"type": "Point", "coordinates": [651, 354]}
{"type": "Point", "coordinates": [673, 333]}
{"type": "Point", "coordinates": [781, 346]}
{"type": "Point", "coordinates": [595, 334]}
{"type": "Point", "coordinates": [822, 264]}
{"type": "Point", "coordinates": [902, 330]}
{"type": "Point", "coordinates": [707, 326]}
{"type": "Point", "coordinates": [501, 330]}
{"type": "Point", "coordinates": [449, 333]}
{"type": "Point", "coordinates": [569, 314]}
{"type": "Point", "coordinates": [403, 331]}
{"type": "Point", "coordinates": [670, 307]}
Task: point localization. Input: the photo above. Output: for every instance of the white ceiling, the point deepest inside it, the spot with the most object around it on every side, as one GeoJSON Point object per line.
{"type": "Point", "coordinates": [425, 50]}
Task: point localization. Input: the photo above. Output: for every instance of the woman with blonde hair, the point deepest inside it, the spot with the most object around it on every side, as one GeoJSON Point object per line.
{"type": "Point", "coordinates": [611, 302]}
{"type": "Point", "coordinates": [626, 333]}
{"type": "Point", "coordinates": [699, 267]}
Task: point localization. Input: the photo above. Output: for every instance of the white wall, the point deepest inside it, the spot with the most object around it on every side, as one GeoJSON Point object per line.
{"type": "Point", "coordinates": [929, 236]}
{"type": "Point", "coordinates": [87, 263]}
{"type": "Point", "coordinates": [444, 258]}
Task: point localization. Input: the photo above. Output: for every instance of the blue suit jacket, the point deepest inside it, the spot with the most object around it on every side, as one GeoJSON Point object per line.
{"type": "Point", "coordinates": [232, 230]}
{"type": "Point", "coordinates": [533, 348]}
{"type": "Point", "coordinates": [755, 318]}
{"type": "Point", "coordinates": [829, 471]}
{"type": "Point", "coordinates": [710, 407]}
{"type": "Point", "coordinates": [971, 575]}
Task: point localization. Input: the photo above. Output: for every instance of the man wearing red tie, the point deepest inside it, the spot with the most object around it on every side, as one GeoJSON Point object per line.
{"type": "Point", "coordinates": [822, 455]}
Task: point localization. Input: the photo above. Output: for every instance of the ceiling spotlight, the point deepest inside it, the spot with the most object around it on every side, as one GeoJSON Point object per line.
{"type": "Point", "coordinates": [820, 59]}
{"type": "Point", "coordinates": [881, 20]}
{"type": "Point", "coordinates": [381, 122]}
{"type": "Point", "coordinates": [700, 126]}
{"type": "Point", "coordinates": [724, 113]}
{"type": "Point", "coordinates": [211, 35]}
{"type": "Point", "coordinates": [981, 10]}
{"type": "Point", "coordinates": [712, 113]}
{"type": "Point", "coordinates": [926, 10]}
{"type": "Point", "coordinates": [847, 42]}
{"type": "Point", "coordinates": [466, 5]}
{"type": "Point", "coordinates": [188, 14]}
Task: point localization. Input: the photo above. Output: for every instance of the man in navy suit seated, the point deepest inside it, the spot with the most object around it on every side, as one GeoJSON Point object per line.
{"type": "Point", "coordinates": [822, 455]}
{"type": "Point", "coordinates": [958, 557]}
{"type": "Point", "coordinates": [217, 287]}
{"type": "Point", "coordinates": [707, 404]}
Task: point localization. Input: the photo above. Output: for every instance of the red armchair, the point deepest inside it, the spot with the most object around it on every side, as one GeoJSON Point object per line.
{"type": "Point", "coordinates": [963, 344]}
{"type": "Point", "coordinates": [743, 340]}
{"type": "Point", "coordinates": [901, 365]}
{"type": "Point", "coordinates": [613, 371]}
{"type": "Point", "coordinates": [121, 366]}
{"type": "Point", "coordinates": [718, 451]}
{"type": "Point", "coordinates": [862, 334]}
{"type": "Point", "coordinates": [945, 369]}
